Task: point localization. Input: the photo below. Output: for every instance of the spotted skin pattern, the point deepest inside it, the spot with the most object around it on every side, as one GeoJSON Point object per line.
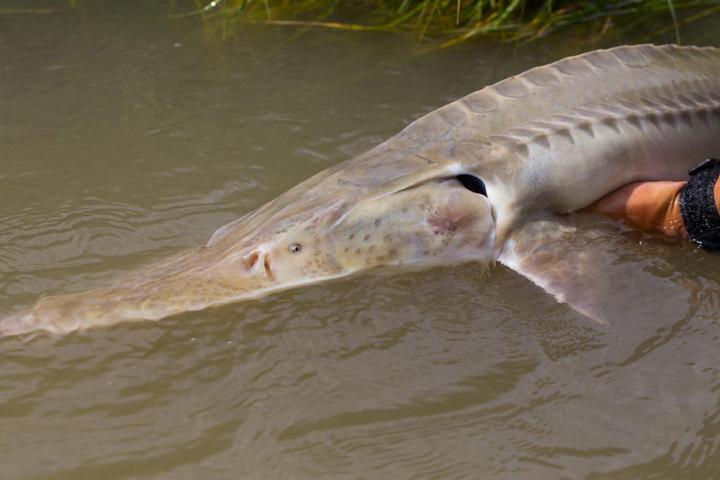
{"type": "Point", "coordinates": [553, 139]}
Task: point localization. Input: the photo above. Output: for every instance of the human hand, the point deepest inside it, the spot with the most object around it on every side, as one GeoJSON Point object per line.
{"type": "Point", "coordinates": [650, 206]}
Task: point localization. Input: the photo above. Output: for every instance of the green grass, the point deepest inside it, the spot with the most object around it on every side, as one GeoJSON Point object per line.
{"type": "Point", "coordinates": [450, 22]}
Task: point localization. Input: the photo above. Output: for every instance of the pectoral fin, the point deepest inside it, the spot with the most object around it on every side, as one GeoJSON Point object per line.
{"type": "Point", "coordinates": [597, 271]}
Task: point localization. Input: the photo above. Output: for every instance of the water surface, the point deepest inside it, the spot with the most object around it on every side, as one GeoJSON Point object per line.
{"type": "Point", "coordinates": [125, 137]}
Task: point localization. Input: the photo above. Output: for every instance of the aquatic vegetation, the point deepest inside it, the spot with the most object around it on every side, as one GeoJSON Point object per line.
{"type": "Point", "coordinates": [456, 21]}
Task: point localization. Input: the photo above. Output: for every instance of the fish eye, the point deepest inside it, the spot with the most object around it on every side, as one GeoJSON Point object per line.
{"type": "Point", "coordinates": [472, 183]}
{"type": "Point", "coordinates": [295, 248]}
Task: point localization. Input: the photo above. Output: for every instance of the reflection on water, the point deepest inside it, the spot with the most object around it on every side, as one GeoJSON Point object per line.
{"type": "Point", "coordinates": [124, 138]}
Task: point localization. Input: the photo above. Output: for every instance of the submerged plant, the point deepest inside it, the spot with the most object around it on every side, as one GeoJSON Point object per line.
{"type": "Point", "coordinates": [457, 20]}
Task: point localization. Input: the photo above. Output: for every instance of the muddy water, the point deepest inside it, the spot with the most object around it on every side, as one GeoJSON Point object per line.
{"type": "Point", "coordinates": [125, 137]}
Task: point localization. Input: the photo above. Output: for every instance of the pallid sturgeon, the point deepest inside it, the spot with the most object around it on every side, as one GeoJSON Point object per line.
{"type": "Point", "coordinates": [486, 178]}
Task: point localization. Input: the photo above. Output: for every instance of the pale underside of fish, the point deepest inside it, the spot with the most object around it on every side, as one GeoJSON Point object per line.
{"type": "Point", "coordinates": [490, 178]}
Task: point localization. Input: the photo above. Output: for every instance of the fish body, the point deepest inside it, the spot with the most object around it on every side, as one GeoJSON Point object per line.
{"type": "Point", "coordinates": [486, 178]}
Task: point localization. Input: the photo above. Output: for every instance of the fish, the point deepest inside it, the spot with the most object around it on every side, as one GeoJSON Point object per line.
{"type": "Point", "coordinates": [495, 177]}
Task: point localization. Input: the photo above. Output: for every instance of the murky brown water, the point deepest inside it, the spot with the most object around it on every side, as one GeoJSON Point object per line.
{"type": "Point", "coordinates": [124, 137]}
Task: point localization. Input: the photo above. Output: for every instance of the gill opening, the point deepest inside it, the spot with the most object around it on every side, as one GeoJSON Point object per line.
{"type": "Point", "coordinates": [472, 183]}
{"type": "Point", "coordinates": [439, 175]}
{"type": "Point", "coordinates": [467, 180]}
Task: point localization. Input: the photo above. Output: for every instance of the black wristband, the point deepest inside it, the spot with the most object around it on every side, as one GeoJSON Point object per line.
{"type": "Point", "coordinates": [697, 205]}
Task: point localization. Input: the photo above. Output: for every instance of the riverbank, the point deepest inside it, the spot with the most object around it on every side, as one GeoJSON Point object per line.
{"type": "Point", "coordinates": [449, 22]}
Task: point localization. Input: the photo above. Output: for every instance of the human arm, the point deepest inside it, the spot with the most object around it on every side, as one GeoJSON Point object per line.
{"type": "Point", "coordinates": [676, 209]}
